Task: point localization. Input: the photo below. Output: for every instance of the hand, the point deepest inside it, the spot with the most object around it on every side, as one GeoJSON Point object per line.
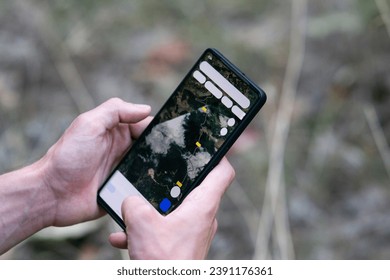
{"type": "Point", "coordinates": [186, 233]}
{"type": "Point", "coordinates": [82, 158]}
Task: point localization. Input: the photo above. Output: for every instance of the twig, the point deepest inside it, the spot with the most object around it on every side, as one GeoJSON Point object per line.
{"type": "Point", "coordinates": [275, 175]}
{"type": "Point", "coordinates": [384, 11]}
{"type": "Point", "coordinates": [39, 18]}
{"type": "Point", "coordinates": [245, 206]}
{"type": "Point", "coordinates": [282, 227]}
{"type": "Point", "coordinates": [378, 134]}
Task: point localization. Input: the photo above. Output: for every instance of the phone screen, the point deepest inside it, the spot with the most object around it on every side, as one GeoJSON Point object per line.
{"type": "Point", "coordinates": [187, 137]}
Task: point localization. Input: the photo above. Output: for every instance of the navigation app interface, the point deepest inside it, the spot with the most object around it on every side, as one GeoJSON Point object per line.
{"type": "Point", "coordinates": [190, 128]}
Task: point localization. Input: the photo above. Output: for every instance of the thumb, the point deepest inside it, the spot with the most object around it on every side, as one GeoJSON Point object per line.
{"type": "Point", "coordinates": [115, 111]}
{"type": "Point", "coordinates": [135, 209]}
{"type": "Point", "coordinates": [128, 208]}
{"type": "Point", "coordinates": [118, 240]}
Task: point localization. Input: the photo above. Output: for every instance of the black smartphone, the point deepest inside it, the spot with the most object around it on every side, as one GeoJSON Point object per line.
{"type": "Point", "coordinates": [189, 136]}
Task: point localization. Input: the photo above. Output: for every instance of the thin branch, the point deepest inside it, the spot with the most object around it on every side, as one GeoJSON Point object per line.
{"type": "Point", "coordinates": [275, 175]}
{"type": "Point", "coordinates": [282, 227]}
{"type": "Point", "coordinates": [378, 134]}
{"type": "Point", "coordinates": [384, 11]}
{"type": "Point", "coordinates": [245, 206]}
{"type": "Point", "coordinates": [39, 17]}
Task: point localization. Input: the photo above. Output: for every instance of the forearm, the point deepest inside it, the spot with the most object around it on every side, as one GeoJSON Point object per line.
{"type": "Point", "coordinates": [25, 204]}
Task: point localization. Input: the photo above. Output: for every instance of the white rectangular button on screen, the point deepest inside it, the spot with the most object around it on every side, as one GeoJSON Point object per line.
{"type": "Point", "coordinates": [116, 190]}
{"type": "Point", "coordinates": [224, 84]}
{"type": "Point", "coordinates": [227, 102]}
{"type": "Point", "coordinates": [199, 77]}
{"type": "Point", "coordinates": [213, 89]}
{"type": "Point", "coordinates": [238, 112]}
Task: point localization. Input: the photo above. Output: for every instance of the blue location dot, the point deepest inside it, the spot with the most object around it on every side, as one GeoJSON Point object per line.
{"type": "Point", "coordinates": [111, 188]}
{"type": "Point", "coordinates": [165, 204]}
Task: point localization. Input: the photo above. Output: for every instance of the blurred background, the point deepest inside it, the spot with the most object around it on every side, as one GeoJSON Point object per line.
{"type": "Point", "coordinates": [312, 170]}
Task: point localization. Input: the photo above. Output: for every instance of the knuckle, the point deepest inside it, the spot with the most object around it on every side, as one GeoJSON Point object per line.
{"type": "Point", "coordinates": [231, 173]}
{"type": "Point", "coordinates": [215, 225]}
{"type": "Point", "coordinates": [114, 100]}
{"type": "Point", "coordinates": [86, 121]}
{"type": "Point", "coordinates": [210, 210]}
{"type": "Point", "coordinates": [82, 119]}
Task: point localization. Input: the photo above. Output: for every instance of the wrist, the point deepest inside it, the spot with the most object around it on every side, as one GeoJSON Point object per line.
{"type": "Point", "coordinates": [38, 201]}
{"type": "Point", "coordinates": [42, 193]}
{"type": "Point", "coordinates": [26, 204]}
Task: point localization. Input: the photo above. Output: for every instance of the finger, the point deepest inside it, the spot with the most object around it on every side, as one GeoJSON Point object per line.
{"type": "Point", "coordinates": [115, 111]}
{"type": "Point", "coordinates": [137, 128]}
{"type": "Point", "coordinates": [118, 240]}
{"type": "Point", "coordinates": [135, 210]}
{"type": "Point", "coordinates": [205, 199]}
{"type": "Point", "coordinates": [216, 182]}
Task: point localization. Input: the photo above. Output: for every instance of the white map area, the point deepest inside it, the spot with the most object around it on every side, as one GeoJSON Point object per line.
{"type": "Point", "coordinates": [163, 135]}
{"type": "Point", "coordinates": [195, 163]}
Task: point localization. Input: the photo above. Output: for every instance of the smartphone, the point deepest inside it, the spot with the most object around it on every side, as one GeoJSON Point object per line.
{"type": "Point", "coordinates": [188, 136]}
